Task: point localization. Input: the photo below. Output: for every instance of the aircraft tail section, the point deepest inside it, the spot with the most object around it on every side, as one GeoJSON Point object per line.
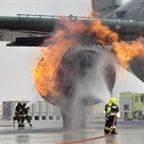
{"type": "Point", "coordinates": [105, 6]}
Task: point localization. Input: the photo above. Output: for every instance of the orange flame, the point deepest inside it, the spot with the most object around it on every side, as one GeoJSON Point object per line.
{"type": "Point", "coordinates": [103, 33]}
{"type": "Point", "coordinates": [126, 52]}
{"type": "Point", "coordinates": [45, 73]}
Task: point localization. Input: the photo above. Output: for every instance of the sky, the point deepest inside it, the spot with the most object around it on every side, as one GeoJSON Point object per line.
{"type": "Point", "coordinates": [16, 81]}
{"type": "Point", "coordinates": [49, 7]}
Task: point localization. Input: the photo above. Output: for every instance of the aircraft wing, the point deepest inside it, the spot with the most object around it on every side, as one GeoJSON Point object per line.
{"type": "Point", "coordinates": [32, 31]}
{"type": "Point", "coordinates": [22, 37]}
{"type": "Point", "coordinates": [25, 31]}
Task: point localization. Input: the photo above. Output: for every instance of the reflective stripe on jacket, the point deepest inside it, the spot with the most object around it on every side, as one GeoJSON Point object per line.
{"type": "Point", "coordinates": [111, 109]}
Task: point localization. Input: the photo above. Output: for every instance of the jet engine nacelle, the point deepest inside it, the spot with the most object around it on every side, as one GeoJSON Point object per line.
{"type": "Point", "coordinates": [83, 73]}
{"type": "Point", "coordinates": [76, 64]}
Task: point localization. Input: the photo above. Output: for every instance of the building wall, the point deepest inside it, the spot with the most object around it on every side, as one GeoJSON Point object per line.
{"type": "Point", "coordinates": [41, 110]}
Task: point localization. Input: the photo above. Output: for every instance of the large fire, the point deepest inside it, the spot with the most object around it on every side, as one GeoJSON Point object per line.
{"type": "Point", "coordinates": [46, 71]}
{"type": "Point", "coordinates": [77, 31]}
{"type": "Point", "coordinates": [126, 52]}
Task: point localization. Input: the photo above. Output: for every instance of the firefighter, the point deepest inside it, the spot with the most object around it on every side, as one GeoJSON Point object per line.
{"type": "Point", "coordinates": [21, 114]}
{"type": "Point", "coordinates": [17, 112]}
{"type": "Point", "coordinates": [111, 109]}
{"type": "Point", "coordinates": [25, 115]}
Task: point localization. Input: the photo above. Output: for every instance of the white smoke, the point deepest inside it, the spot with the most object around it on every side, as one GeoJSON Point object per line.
{"type": "Point", "coordinates": [93, 84]}
{"type": "Point", "coordinates": [92, 88]}
{"type": "Point", "coordinates": [34, 100]}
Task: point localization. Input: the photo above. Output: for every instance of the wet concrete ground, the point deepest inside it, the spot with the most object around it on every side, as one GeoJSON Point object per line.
{"type": "Point", "coordinates": [131, 132]}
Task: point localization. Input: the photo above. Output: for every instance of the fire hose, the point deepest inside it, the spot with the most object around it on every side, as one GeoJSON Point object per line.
{"type": "Point", "coordinates": [90, 139]}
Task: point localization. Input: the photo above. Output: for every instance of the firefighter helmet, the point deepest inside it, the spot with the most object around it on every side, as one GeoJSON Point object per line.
{"type": "Point", "coordinates": [112, 100]}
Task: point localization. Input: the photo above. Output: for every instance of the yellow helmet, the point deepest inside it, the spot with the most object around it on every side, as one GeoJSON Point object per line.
{"type": "Point", "coordinates": [112, 100]}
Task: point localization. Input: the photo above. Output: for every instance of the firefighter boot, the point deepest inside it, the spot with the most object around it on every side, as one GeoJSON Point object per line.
{"type": "Point", "coordinates": [30, 125]}
{"type": "Point", "coordinates": [106, 131]}
{"type": "Point", "coordinates": [114, 131]}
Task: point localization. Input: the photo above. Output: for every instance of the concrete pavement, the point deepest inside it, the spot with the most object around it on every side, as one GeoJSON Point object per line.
{"type": "Point", "coordinates": [131, 132]}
